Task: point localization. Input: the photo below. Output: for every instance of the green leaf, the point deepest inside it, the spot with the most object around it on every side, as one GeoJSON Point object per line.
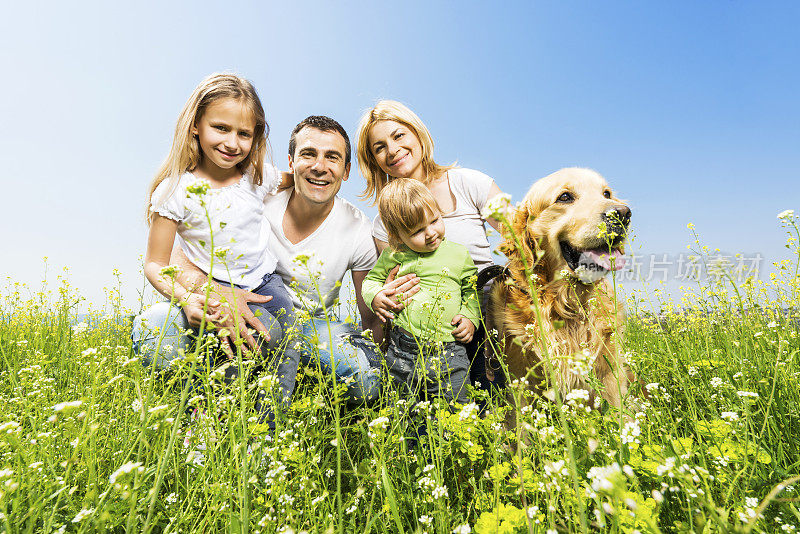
{"type": "Point", "coordinates": [387, 486]}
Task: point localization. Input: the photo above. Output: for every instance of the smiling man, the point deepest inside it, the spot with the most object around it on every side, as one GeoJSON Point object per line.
{"type": "Point", "coordinates": [318, 237]}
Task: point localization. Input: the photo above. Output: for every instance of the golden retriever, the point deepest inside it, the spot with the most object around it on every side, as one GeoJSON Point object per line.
{"type": "Point", "coordinates": [568, 234]}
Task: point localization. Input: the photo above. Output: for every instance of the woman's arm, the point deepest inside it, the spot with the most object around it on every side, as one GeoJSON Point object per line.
{"type": "Point", "coordinates": [494, 190]}
{"type": "Point", "coordinates": [380, 245]}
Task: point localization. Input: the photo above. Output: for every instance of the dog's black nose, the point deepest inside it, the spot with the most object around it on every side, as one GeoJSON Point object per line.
{"type": "Point", "coordinates": [618, 215]}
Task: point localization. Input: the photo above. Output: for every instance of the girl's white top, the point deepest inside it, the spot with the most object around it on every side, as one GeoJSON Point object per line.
{"type": "Point", "coordinates": [241, 233]}
{"type": "Point", "coordinates": [464, 225]}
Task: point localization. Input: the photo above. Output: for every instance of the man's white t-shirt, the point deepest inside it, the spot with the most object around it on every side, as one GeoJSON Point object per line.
{"type": "Point", "coordinates": [343, 242]}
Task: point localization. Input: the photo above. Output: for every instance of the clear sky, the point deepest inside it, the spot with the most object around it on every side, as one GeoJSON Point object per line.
{"type": "Point", "coordinates": [689, 109]}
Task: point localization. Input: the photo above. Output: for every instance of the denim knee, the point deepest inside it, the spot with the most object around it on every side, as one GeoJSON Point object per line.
{"type": "Point", "coordinates": [350, 357]}
{"type": "Point", "coordinates": [160, 335]}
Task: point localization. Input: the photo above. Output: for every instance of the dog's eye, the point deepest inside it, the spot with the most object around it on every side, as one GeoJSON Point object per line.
{"type": "Point", "coordinates": [607, 193]}
{"type": "Point", "coordinates": [565, 197]}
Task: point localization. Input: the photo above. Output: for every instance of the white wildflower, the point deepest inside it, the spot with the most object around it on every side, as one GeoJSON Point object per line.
{"type": "Point", "coordinates": [83, 514]}
{"type": "Point", "coordinates": [80, 328]}
{"type": "Point", "coordinates": [468, 411]}
{"type": "Point", "coordinates": [125, 469]}
{"type": "Point", "coordinates": [786, 215]}
{"type": "Point", "coordinates": [9, 427]}
{"type": "Point", "coordinates": [497, 207]}
{"type": "Point", "coordinates": [68, 407]}
{"type": "Point", "coordinates": [631, 432]}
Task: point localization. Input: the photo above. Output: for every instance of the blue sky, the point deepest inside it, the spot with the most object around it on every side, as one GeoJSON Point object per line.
{"type": "Point", "coordinates": [689, 109]}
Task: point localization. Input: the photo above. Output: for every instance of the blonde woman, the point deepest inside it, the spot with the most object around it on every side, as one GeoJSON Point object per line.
{"type": "Point", "coordinates": [394, 143]}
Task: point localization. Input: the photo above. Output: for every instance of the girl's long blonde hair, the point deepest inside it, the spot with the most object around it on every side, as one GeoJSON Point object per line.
{"type": "Point", "coordinates": [185, 154]}
{"type": "Point", "coordinates": [398, 112]}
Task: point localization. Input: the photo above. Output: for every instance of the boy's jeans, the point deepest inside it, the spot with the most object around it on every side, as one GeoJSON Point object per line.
{"type": "Point", "coordinates": [428, 369]}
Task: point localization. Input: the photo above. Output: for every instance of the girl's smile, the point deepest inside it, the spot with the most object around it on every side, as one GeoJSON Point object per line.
{"type": "Point", "coordinates": [225, 134]}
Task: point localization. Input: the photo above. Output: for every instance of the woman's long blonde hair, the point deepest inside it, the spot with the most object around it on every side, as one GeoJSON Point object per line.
{"type": "Point", "coordinates": [185, 154]}
{"type": "Point", "coordinates": [398, 112]}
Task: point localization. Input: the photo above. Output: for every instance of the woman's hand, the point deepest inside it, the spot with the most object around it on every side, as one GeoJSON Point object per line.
{"type": "Point", "coordinates": [464, 329]}
{"type": "Point", "coordinates": [395, 294]}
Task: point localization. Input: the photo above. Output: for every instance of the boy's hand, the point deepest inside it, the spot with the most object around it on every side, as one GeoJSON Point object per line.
{"type": "Point", "coordinates": [383, 305]}
{"type": "Point", "coordinates": [464, 329]}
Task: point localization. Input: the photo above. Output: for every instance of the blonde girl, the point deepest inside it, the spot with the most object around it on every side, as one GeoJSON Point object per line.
{"type": "Point", "coordinates": [393, 143]}
{"type": "Point", "coordinates": [210, 192]}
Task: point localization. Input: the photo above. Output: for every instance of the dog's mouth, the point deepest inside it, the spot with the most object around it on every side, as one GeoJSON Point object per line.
{"type": "Point", "coordinates": [590, 265]}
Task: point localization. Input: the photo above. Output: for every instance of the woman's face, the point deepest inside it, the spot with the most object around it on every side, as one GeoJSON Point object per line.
{"type": "Point", "coordinates": [396, 149]}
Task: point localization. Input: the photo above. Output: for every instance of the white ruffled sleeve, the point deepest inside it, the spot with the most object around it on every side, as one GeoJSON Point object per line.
{"type": "Point", "coordinates": [272, 178]}
{"type": "Point", "coordinates": [169, 201]}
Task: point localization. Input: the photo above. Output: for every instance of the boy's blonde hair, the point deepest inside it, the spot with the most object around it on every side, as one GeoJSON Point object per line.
{"type": "Point", "coordinates": [185, 154]}
{"type": "Point", "coordinates": [394, 111]}
{"type": "Point", "coordinates": [403, 204]}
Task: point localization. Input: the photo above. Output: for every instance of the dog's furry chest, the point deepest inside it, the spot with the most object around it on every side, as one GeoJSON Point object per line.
{"type": "Point", "coordinates": [573, 336]}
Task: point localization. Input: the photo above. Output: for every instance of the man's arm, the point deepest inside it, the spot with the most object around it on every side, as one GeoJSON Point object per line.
{"type": "Point", "coordinates": [369, 320]}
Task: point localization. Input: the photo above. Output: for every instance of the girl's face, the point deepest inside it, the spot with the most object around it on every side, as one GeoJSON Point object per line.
{"type": "Point", "coordinates": [396, 149]}
{"type": "Point", "coordinates": [426, 236]}
{"type": "Point", "coordinates": [225, 133]}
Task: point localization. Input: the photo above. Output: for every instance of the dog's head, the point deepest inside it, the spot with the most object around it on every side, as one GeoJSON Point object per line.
{"type": "Point", "coordinates": [571, 220]}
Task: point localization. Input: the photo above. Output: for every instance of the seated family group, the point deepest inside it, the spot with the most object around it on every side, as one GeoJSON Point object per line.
{"type": "Point", "coordinates": [277, 246]}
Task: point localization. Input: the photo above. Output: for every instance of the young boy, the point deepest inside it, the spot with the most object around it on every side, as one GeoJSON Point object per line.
{"type": "Point", "coordinates": [425, 347]}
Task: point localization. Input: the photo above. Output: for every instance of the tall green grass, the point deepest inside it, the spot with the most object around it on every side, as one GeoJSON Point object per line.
{"type": "Point", "coordinates": [90, 440]}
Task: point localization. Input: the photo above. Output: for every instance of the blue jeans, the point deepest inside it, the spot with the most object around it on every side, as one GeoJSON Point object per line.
{"type": "Point", "coordinates": [428, 370]}
{"type": "Point", "coordinates": [280, 357]}
{"type": "Point", "coordinates": [354, 359]}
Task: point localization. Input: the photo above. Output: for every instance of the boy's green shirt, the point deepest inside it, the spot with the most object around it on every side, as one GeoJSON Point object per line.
{"type": "Point", "coordinates": [447, 288]}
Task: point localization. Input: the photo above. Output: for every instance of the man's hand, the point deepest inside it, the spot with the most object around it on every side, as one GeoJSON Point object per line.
{"type": "Point", "coordinates": [395, 294]}
{"type": "Point", "coordinates": [464, 329]}
{"type": "Point", "coordinates": [241, 319]}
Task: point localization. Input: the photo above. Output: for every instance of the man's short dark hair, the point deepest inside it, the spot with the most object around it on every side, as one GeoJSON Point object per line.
{"type": "Point", "coordinates": [326, 124]}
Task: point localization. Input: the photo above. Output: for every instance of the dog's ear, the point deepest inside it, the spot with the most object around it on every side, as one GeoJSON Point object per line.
{"type": "Point", "coordinates": [527, 243]}
{"type": "Point", "coordinates": [519, 226]}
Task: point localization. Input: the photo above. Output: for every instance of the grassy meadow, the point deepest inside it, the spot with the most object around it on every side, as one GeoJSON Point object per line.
{"type": "Point", "coordinates": [90, 440]}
